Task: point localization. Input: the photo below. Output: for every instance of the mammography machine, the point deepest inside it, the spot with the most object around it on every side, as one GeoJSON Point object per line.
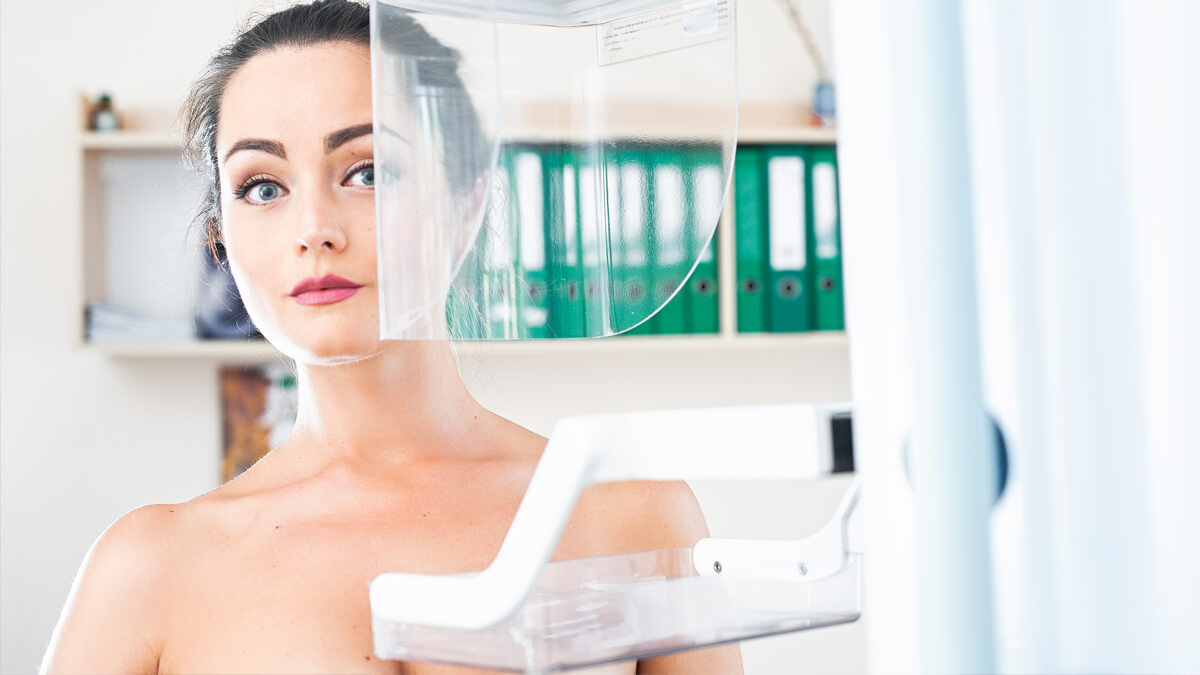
{"type": "Point", "coordinates": [531, 172]}
{"type": "Point", "coordinates": [989, 337]}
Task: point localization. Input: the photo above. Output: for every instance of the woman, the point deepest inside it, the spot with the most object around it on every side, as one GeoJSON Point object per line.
{"type": "Point", "coordinates": [392, 466]}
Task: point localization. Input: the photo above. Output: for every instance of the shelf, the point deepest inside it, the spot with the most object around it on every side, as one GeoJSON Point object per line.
{"type": "Point", "coordinates": [780, 123]}
{"type": "Point", "coordinates": [220, 350]}
{"type": "Point", "coordinates": [758, 123]}
{"type": "Point", "coordinates": [164, 142]}
{"type": "Point", "coordinates": [655, 343]}
{"type": "Point", "coordinates": [130, 140]}
{"type": "Point", "coordinates": [258, 350]}
{"type": "Point", "coordinates": [803, 135]}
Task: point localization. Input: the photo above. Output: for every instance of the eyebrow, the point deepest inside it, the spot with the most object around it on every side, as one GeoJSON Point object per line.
{"type": "Point", "coordinates": [338, 138]}
{"type": "Point", "coordinates": [270, 147]}
{"type": "Point", "coordinates": [333, 141]}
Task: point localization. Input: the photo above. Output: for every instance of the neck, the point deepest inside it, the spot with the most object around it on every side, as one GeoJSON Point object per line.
{"type": "Point", "coordinates": [404, 406]}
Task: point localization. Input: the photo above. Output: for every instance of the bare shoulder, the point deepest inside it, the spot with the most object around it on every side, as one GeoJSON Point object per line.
{"type": "Point", "coordinates": [135, 549]}
{"type": "Point", "coordinates": [645, 515]}
{"type": "Point", "coordinates": [649, 515]}
{"type": "Point", "coordinates": [111, 618]}
{"type": "Point", "coordinates": [626, 516]}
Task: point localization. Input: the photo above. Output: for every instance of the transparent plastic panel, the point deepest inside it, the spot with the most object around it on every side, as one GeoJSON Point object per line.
{"type": "Point", "coordinates": [546, 181]}
{"type": "Point", "coordinates": [594, 611]}
{"type": "Point", "coordinates": [545, 12]}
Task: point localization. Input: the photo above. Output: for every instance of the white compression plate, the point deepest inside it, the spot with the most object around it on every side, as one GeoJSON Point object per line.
{"type": "Point", "coordinates": [814, 557]}
{"type": "Point", "coordinates": [743, 443]}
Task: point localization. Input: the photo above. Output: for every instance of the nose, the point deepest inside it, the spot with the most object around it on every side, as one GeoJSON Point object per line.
{"type": "Point", "coordinates": [320, 226]}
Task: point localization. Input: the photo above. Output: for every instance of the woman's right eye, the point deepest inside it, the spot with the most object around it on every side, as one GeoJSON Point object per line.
{"type": "Point", "coordinates": [259, 191]}
{"type": "Point", "coordinates": [264, 192]}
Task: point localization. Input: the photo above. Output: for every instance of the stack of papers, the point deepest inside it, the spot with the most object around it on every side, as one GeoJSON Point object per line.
{"type": "Point", "coordinates": [110, 324]}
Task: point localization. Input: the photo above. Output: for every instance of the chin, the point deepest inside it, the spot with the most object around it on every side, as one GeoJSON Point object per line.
{"type": "Point", "coordinates": [328, 350]}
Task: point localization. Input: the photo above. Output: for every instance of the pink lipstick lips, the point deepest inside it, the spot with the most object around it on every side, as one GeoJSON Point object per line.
{"type": "Point", "coordinates": [324, 290]}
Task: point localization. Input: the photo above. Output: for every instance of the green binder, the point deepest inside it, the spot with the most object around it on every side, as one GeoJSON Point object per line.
{"type": "Point", "coordinates": [645, 267]}
{"type": "Point", "coordinates": [787, 246]}
{"type": "Point", "coordinates": [575, 326]}
{"type": "Point", "coordinates": [750, 214]}
{"type": "Point", "coordinates": [532, 306]}
{"type": "Point", "coordinates": [595, 254]}
{"type": "Point", "coordinates": [561, 220]}
{"type": "Point", "coordinates": [705, 293]}
{"type": "Point", "coordinates": [632, 245]}
{"type": "Point", "coordinates": [707, 178]}
{"type": "Point", "coordinates": [609, 286]}
{"type": "Point", "coordinates": [640, 237]}
{"type": "Point", "coordinates": [673, 265]}
{"type": "Point", "coordinates": [829, 313]}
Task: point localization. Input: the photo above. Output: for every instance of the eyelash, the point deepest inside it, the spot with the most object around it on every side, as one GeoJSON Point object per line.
{"type": "Point", "coordinates": [250, 184]}
{"type": "Point", "coordinates": [365, 164]}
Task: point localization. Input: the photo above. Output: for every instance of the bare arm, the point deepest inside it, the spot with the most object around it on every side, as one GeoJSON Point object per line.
{"type": "Point", "coordinates": [111, 622]}
{"type": "Point", "coordinates": [666, 515]}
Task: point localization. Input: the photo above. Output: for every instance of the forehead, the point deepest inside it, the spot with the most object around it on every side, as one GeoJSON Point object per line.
{"type": "Point", "coordinates": [294, 93]}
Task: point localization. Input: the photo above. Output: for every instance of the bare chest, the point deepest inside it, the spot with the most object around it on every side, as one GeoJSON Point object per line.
{"type": "Point", "coordinates": [292, 596]}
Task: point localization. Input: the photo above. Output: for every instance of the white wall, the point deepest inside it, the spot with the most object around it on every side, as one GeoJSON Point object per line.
{"type": "Point", "coordinates": [85, 438]}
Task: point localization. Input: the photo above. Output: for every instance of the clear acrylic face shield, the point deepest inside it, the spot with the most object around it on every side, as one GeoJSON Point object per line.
{"type": "Point", "coordinates": [530, 183]}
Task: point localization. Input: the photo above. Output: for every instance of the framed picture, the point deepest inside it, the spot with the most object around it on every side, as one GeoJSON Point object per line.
{"type": "Point", "coordinates": [258, 409]}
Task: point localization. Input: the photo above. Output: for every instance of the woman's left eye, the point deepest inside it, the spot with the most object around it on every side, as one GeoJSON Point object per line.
{"type": "Point", "coordinates": [363, 176]}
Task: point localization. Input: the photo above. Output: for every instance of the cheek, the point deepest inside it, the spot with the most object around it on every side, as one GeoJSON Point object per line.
{"type": "Point", "coordinates": [364, 217]}
{"type": "Point", "coordinates": [251, 262]}
{"type": "Point", "coordinates": [257, 285]}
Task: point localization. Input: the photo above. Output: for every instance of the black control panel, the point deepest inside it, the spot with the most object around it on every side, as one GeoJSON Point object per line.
{"type": "Point", "coordinates": [842, 434]}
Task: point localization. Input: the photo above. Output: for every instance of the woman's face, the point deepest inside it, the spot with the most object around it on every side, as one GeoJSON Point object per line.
{"type": "Point", "coordinates": [294, 147]}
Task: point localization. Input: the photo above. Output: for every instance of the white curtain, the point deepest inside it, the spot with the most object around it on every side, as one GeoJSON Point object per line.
{"type": "Point", "coordinates": [1083, 169]}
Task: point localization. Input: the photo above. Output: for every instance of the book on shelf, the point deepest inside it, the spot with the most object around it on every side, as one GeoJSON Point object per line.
{"type": "Point", "coordinates": [109, 324]}
{"type": "Point", "coordinates": [112, 324]}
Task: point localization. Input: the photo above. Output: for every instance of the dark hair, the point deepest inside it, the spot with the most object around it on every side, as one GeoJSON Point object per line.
{"type": "Point", "coordinates": [320, 22]}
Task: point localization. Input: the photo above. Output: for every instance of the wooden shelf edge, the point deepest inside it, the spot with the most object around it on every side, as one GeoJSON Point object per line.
{"type": "Point", "coordinates": [165, 141]}
{"type": "Point", "coordinates": [233, 350]}
{"type": "Point", "coordinates": [249, 351]}
{"type": "Point", "coordinates": [129, 140]}
{"type": "Point", "coordinates": [807, 135]}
